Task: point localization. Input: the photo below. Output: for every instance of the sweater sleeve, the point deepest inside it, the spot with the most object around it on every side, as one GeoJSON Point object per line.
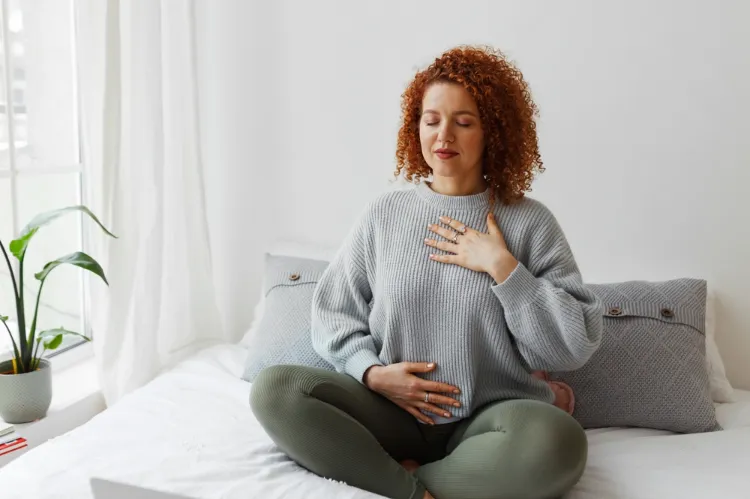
{"type": "Point", "coordinates": [341, 306]}
{"type": "Point", "coordinates": [555, 319]}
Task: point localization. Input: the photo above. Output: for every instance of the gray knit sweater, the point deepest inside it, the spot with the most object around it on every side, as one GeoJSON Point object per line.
{"type": "Point", "coordinates": [383, 301]}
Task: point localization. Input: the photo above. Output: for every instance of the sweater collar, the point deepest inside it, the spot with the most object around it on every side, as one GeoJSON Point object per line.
{"type": "Point", "coordinates": [446, 202]}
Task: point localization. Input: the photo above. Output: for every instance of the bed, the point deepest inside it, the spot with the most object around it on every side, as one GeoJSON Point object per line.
{"type": "Point", "coordinates": [191, 431]}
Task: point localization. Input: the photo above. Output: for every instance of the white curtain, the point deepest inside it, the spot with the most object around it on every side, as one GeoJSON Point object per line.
{"type": "Point", "coordinates": [141, 139]}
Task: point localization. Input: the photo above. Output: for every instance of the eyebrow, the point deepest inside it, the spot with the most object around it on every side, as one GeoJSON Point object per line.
{"type": "Point", "coordinates": [457, 113]}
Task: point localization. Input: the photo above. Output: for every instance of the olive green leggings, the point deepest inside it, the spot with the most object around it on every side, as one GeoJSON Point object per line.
{"type": "Point", "coordinates": [337, 428]}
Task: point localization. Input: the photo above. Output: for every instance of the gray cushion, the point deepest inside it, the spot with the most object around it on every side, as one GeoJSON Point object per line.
{"type": "Point", "coordinates": [283, 334]}
{"type": "Point", "coordinates": [650, 370]}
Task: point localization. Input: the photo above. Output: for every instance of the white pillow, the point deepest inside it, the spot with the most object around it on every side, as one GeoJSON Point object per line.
{"type": "Point", "coordinates": [721, 388]}
{"type": "Point", "coordinates": [286, 248]}
{"type": "Point", "coordinates": [257, 316]}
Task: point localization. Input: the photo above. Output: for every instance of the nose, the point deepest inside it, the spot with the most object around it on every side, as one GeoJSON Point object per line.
{"type": "Point", "coordinates": [445, 134]}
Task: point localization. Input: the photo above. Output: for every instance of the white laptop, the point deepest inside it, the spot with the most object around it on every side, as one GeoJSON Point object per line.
{"type": "Point", "coordinates": [107, 489]}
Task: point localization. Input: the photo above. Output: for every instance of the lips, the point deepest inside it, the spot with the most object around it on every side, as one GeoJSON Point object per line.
{"type": "Point", "coordinates": [445, 153]}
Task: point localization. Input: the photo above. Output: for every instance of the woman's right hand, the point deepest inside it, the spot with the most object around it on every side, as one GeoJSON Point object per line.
{"type": "Point", "coordinates": [397, 383]}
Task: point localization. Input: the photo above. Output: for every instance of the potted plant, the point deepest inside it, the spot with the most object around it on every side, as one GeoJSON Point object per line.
{"type": "Point", "coordinates": [25, 379]}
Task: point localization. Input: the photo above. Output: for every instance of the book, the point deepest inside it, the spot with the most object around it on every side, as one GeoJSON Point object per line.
{"type": "Point", "coordinates": [8, 438]}
{"type": "Point", "coordinates": [13, 442]}
{"type": "Point", "coordinates": [15, 445]}
{"type": "Point", "coordinates": [5, 428]}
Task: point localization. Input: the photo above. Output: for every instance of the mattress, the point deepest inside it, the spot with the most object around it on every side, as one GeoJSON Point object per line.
{"type": "Point", "coordinates": [191, 431]}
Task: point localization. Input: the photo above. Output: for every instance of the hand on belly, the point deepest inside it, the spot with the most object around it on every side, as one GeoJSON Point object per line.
{"type": "Point", "coordinates": [399, 384]}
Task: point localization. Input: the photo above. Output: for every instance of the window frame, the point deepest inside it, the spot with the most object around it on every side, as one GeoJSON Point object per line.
{"type": "Point", "coordinates": [79, 169]}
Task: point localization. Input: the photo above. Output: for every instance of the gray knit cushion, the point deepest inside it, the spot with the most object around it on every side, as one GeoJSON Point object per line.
{"type": "Point", "coordinates": [650, 370]}
{"type": "Point", "coordinates": [283, 334]}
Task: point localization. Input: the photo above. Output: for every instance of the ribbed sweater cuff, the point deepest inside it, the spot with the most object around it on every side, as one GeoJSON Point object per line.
{"type": "Point", "coordinates": [518, 290]}
{"type": "Point", "coordinates": [359, 362]}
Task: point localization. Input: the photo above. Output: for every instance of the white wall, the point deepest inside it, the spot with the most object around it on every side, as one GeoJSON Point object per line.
{"type": "Point", "coordinates": [645, 119]}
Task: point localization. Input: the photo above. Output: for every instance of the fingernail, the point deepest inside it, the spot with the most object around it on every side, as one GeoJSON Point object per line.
{"type": "Point", "coordinates": [426, 240]}
{"type": "Point", "coordinates": [430, 365]}
{"type": "Point", "coordinates": [456, 405]}
{"type": "Point", "coordinates": [456, 391]}
{"type": "Point", "coordinates": [443, 219]}
{"type": "Point", "coordinates": [446, 414]}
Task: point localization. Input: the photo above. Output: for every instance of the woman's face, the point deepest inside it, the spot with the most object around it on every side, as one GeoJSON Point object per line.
{"type": "Point", "coordinates": [450, 132]}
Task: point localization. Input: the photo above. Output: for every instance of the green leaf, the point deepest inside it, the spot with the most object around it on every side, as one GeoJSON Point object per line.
{"type": "Point", "coordinates": [18, 246]}
{"type": "Point", "coordinates": [53, 337]}
{"type": "Point", "coordinates": [79, 259]}
{"type": "Point", "coordinates": [3, 318]}
{"type": "Point", "coordinates": [55, 342]}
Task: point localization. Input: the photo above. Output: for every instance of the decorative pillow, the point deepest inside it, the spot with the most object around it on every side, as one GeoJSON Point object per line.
{"type": "Point", "coordinates": [289, 248]}
{"type": "Point", "coordinates": [650, 370]}
{"type": "Point", "coordinates": [282, 335]}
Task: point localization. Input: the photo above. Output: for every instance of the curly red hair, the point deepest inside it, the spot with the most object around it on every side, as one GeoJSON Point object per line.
{"type": "Point", "coordinates": [507, 113]}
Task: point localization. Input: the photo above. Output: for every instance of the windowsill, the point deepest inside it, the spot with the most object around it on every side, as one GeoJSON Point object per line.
{"type": "Point", "coordinates": [76, 398]}
{"type": "Point", "coordinates": [74, 377]}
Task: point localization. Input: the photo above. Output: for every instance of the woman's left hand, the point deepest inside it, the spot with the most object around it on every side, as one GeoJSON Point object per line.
{"type": "Point", "coordinates": [474, 250]}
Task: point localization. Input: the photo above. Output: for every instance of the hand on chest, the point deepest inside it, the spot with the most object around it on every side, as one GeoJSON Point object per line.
{"type": "Point", "coordinates": [449, 250]}
{"type": "Point", "coordinates": [407, 277]}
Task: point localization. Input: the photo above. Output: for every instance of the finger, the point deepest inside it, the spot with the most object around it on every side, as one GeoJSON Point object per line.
{"type": "Point", "coordinates": [445, 258]}
{"type": "Point", "coordinates": [455, 224]}
{"type": "Point", "coordinates": [442, 245]}
{"type": "Point", "coordinates": [446, 233]}
{"type": "Point", "coordinates": [434, 398]}
{"type": "Point", "coordinates": [492, 226]}
{"type": "Point", "coordinates": [437, 387]}
{"type": "Point", "coordinates": [433, 409]}
{"type": "Point", "coordinates": [419, 415]}
{"type": "Point", "coordinates": [419, 367]}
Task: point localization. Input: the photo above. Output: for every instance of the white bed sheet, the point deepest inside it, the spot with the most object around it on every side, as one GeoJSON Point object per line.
{"type": "Point", "coordinates": [191, 431]}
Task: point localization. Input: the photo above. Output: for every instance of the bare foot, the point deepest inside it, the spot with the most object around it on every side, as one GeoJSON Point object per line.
{"type": "Point", "coordinates": [410, 464]}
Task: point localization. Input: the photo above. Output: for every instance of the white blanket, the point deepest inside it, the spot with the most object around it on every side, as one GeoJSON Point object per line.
{"type": "Point", "coordinates": [191, 431]}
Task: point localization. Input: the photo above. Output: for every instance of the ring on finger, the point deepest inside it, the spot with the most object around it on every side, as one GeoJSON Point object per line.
{"type": "Point", "coordinates": [455, 237]}
{"type": "Point", "coordinates": [427, 397]}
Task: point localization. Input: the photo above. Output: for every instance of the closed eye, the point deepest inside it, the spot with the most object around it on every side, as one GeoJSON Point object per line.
{"type": "Point", "coordinates": [465, 125]}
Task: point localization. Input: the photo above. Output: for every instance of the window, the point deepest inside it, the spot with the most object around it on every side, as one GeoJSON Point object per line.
{"type": "Point", "coordinates": [40, 160]}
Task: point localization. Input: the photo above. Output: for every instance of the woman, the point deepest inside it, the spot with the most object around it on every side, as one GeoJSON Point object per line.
{"type": "Point", "coordinates": [439, 308]}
